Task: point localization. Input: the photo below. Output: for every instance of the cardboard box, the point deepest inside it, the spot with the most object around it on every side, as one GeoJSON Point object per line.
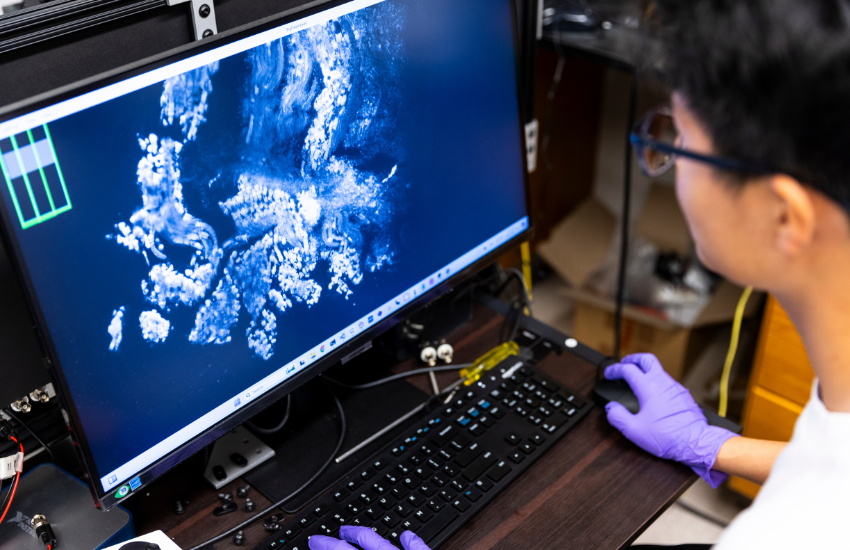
{"type": "Point", "coordinates": [582, 242]}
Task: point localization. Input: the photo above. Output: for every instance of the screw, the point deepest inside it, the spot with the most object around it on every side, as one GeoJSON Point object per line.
{"type": "Point", "coordinates": [239, 538]}
{"type": "Point", "coordinates": [249, 505]}
{"type": "Point", "coordinates": [242, 492]}
{"type": "Point", "coordinates": [207, 33]}
{"type": "Point", "coordinates": [180, 506]}
{"type": "Point", "coordinates": [227, 498]}
{"type": "Point", "coordinates": [271, 525]}
{"type": "Point", "coordinates": [204, 11]}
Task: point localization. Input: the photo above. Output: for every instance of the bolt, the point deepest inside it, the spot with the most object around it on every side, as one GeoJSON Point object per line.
{"type": "Point", "coordinates": [239, 538]}
{"type": "Point", "coordinates": [39, 395]}
{"type": "Point", "coordinates": [249, 505]}
{"type": "Point", "coordinates": [204, 10]}
{"type": "Point", "coordinates": [207, 33]}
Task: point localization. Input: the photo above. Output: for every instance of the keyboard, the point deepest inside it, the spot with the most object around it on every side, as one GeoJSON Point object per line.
{"type": "Point", "coordinates": [454, 461]}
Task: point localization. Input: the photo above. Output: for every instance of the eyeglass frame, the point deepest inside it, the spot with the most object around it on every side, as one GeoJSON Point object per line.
{"type": "Point", "coordinates": [640, 141]}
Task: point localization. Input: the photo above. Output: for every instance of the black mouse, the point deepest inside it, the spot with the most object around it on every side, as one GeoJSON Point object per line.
{"type": "Point", "coordinates": [606, 391]}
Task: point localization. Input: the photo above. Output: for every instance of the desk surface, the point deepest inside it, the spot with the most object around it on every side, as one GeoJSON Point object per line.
{"type": "Point", "coordinates": [594, 489]}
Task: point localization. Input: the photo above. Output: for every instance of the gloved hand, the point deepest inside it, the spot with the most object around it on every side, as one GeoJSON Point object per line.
{"type": "Point", "coordinates": [670, 424]}
{"type": "Point", "coordinates": [366, 539]}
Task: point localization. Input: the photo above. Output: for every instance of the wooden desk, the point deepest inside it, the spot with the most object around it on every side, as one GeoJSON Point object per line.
{"type": "Point", "coordinates": [594, 489]}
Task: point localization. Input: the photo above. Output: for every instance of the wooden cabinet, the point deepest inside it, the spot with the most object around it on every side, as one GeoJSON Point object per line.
{"type": "Point", "coordinates": [780, 384]}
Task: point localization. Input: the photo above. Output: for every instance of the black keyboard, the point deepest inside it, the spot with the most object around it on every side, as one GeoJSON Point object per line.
{"type": "Point", "coordinates": [454, 462]}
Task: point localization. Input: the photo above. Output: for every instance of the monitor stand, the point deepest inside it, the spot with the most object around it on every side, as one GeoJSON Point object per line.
{"type": "Point", "coordinates": [312, 432]}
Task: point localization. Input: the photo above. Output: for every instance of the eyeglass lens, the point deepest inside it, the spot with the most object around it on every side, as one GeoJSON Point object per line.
{"type": "Point", "coordinates": [659, 127]}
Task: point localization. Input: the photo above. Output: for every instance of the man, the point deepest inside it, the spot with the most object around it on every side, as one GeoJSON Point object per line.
{"type": "Point", "coordinates": [759, 131]}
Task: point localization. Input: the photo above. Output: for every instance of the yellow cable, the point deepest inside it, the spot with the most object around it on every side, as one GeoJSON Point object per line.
{"type": "Point", "coordinates": [525, 251]}
{"type": "Point", "coordinates": [733, 349]}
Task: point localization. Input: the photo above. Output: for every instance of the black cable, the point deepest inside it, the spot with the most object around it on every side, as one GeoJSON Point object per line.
{"type": "Point", "coordinates": [524, 288]}
{"type": "Point", "coordinates": [342, 429]}
{"type": "Point", "coordinates": [8, 492]}
{"type": "Point", "coordinates": [515, 275]}
{"type": "Point", "coordinates": [394, 377]}
{"type": "Point", "coordinates": [32, 433]}
{"type": "Point", "coordinates": [624, 230]}
{"type": "Point", "coordinates": [280, 425]}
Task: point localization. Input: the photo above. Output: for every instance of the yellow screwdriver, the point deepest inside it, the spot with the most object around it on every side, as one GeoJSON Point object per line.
{"type": "Point", "coordinates": [472, 374]}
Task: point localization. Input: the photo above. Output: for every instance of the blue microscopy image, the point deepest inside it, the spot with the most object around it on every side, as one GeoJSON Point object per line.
{"type": "Point", "coordinates": [319, 107]}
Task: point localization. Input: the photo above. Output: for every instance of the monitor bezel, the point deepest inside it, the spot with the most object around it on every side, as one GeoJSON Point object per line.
{"type": "Point", "coordinates": [106, 499]}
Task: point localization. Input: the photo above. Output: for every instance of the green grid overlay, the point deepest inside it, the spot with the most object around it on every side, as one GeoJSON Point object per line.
{"type": "Point", "coordinates": [39, 216]}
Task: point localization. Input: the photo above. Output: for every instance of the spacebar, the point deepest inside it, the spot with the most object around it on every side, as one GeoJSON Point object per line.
{"type": "Point", "coordinates": [434, 527]}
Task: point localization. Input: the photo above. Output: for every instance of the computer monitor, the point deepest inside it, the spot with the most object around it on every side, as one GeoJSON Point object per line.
{"type": "Point", "coordinates": [202, 232]}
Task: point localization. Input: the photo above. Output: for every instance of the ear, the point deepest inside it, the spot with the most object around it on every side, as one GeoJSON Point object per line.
{"type": "Point", "coordinates": [795, 216]}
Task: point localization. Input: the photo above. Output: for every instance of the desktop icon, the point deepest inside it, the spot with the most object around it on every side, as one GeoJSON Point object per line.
{"type": "Point", "coordinates": [237, 402]}
{"type": "Point", "coordinates": [333, 343]}
{"type": "Point", "coordinates": [360, 324]}
{"type": "Point", "coordinates": [290, 370]}
{"type": "Point", "coordinates": [371, 319]}
{"type": "Point", "coordinates": [123, 491]}
{"type": "Point", "coordinates": [312, 355]}
{"type": "Point", "coordinates": [302, 362]}
{"type": "Point", "coordinates": [342, 336]}
{"type": "Point", "coordinates": [380, 313]}
{"type": "Point", "coordinates": [398, 302]}
{"type": "Point", "coordinates": [112, 479]}
{"type": "Point", "coordinates": [448, 270]}
{"type": "Point", "coordinates": [248, 395]}
{"type": "Point", "coordinates": [439, 275]}
{"type": "Point", "coordinates": [351, 331]}
{"type": "Point", "coordinates": [322, 349]}
{"type": "Point", "coordinates": [431, 281]}
{"type": "Point", "coordinates": [406, 296]}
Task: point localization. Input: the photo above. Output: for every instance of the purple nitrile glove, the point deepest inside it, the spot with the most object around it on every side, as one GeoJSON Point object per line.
{"type": "Point", "coordinates": [670, 424]}
{"type": "Point", "coordinates": [366, 539]}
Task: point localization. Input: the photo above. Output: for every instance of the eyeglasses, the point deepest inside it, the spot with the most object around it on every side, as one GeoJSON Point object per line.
{"type": "Point", "coordinates": [655, 140]}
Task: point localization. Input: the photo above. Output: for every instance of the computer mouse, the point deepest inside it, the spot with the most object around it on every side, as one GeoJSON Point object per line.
{"type": "Point", "coordinates": [606, 391]}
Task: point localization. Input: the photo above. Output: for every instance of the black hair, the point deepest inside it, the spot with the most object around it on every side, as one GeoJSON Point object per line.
{"type": "Point", "coordinates": [770, 80]}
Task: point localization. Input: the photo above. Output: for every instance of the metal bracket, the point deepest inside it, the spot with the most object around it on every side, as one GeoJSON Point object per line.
{"type": "Point", "coordinates": [250, 452]}
{"type": "Point", "coordinates": [203, 17]}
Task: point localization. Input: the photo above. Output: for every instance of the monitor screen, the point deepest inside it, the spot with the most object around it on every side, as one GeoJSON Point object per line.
{"type": "Point", "coordinates": [199, 229]}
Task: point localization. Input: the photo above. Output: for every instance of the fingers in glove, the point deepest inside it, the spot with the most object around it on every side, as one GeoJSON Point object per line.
{"type": "Point", "coordinates": [364, 537]}
{"type": "Point", "coordinates": [619, 417]}
{"type": "Point", "coordinates": [629, 372]}
{"type": "Point", "coordinates": [411, 541]}
{"type": "Point", "coordinates": [321, 542]}
{"type": "Point", "coordinates": [646, 361]}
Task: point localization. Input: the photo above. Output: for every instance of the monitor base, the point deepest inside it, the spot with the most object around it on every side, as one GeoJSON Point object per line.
{"type": "Point", "coordinates": [235, 454]}
{"type": "Point", "coordinates": [313, 430]}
